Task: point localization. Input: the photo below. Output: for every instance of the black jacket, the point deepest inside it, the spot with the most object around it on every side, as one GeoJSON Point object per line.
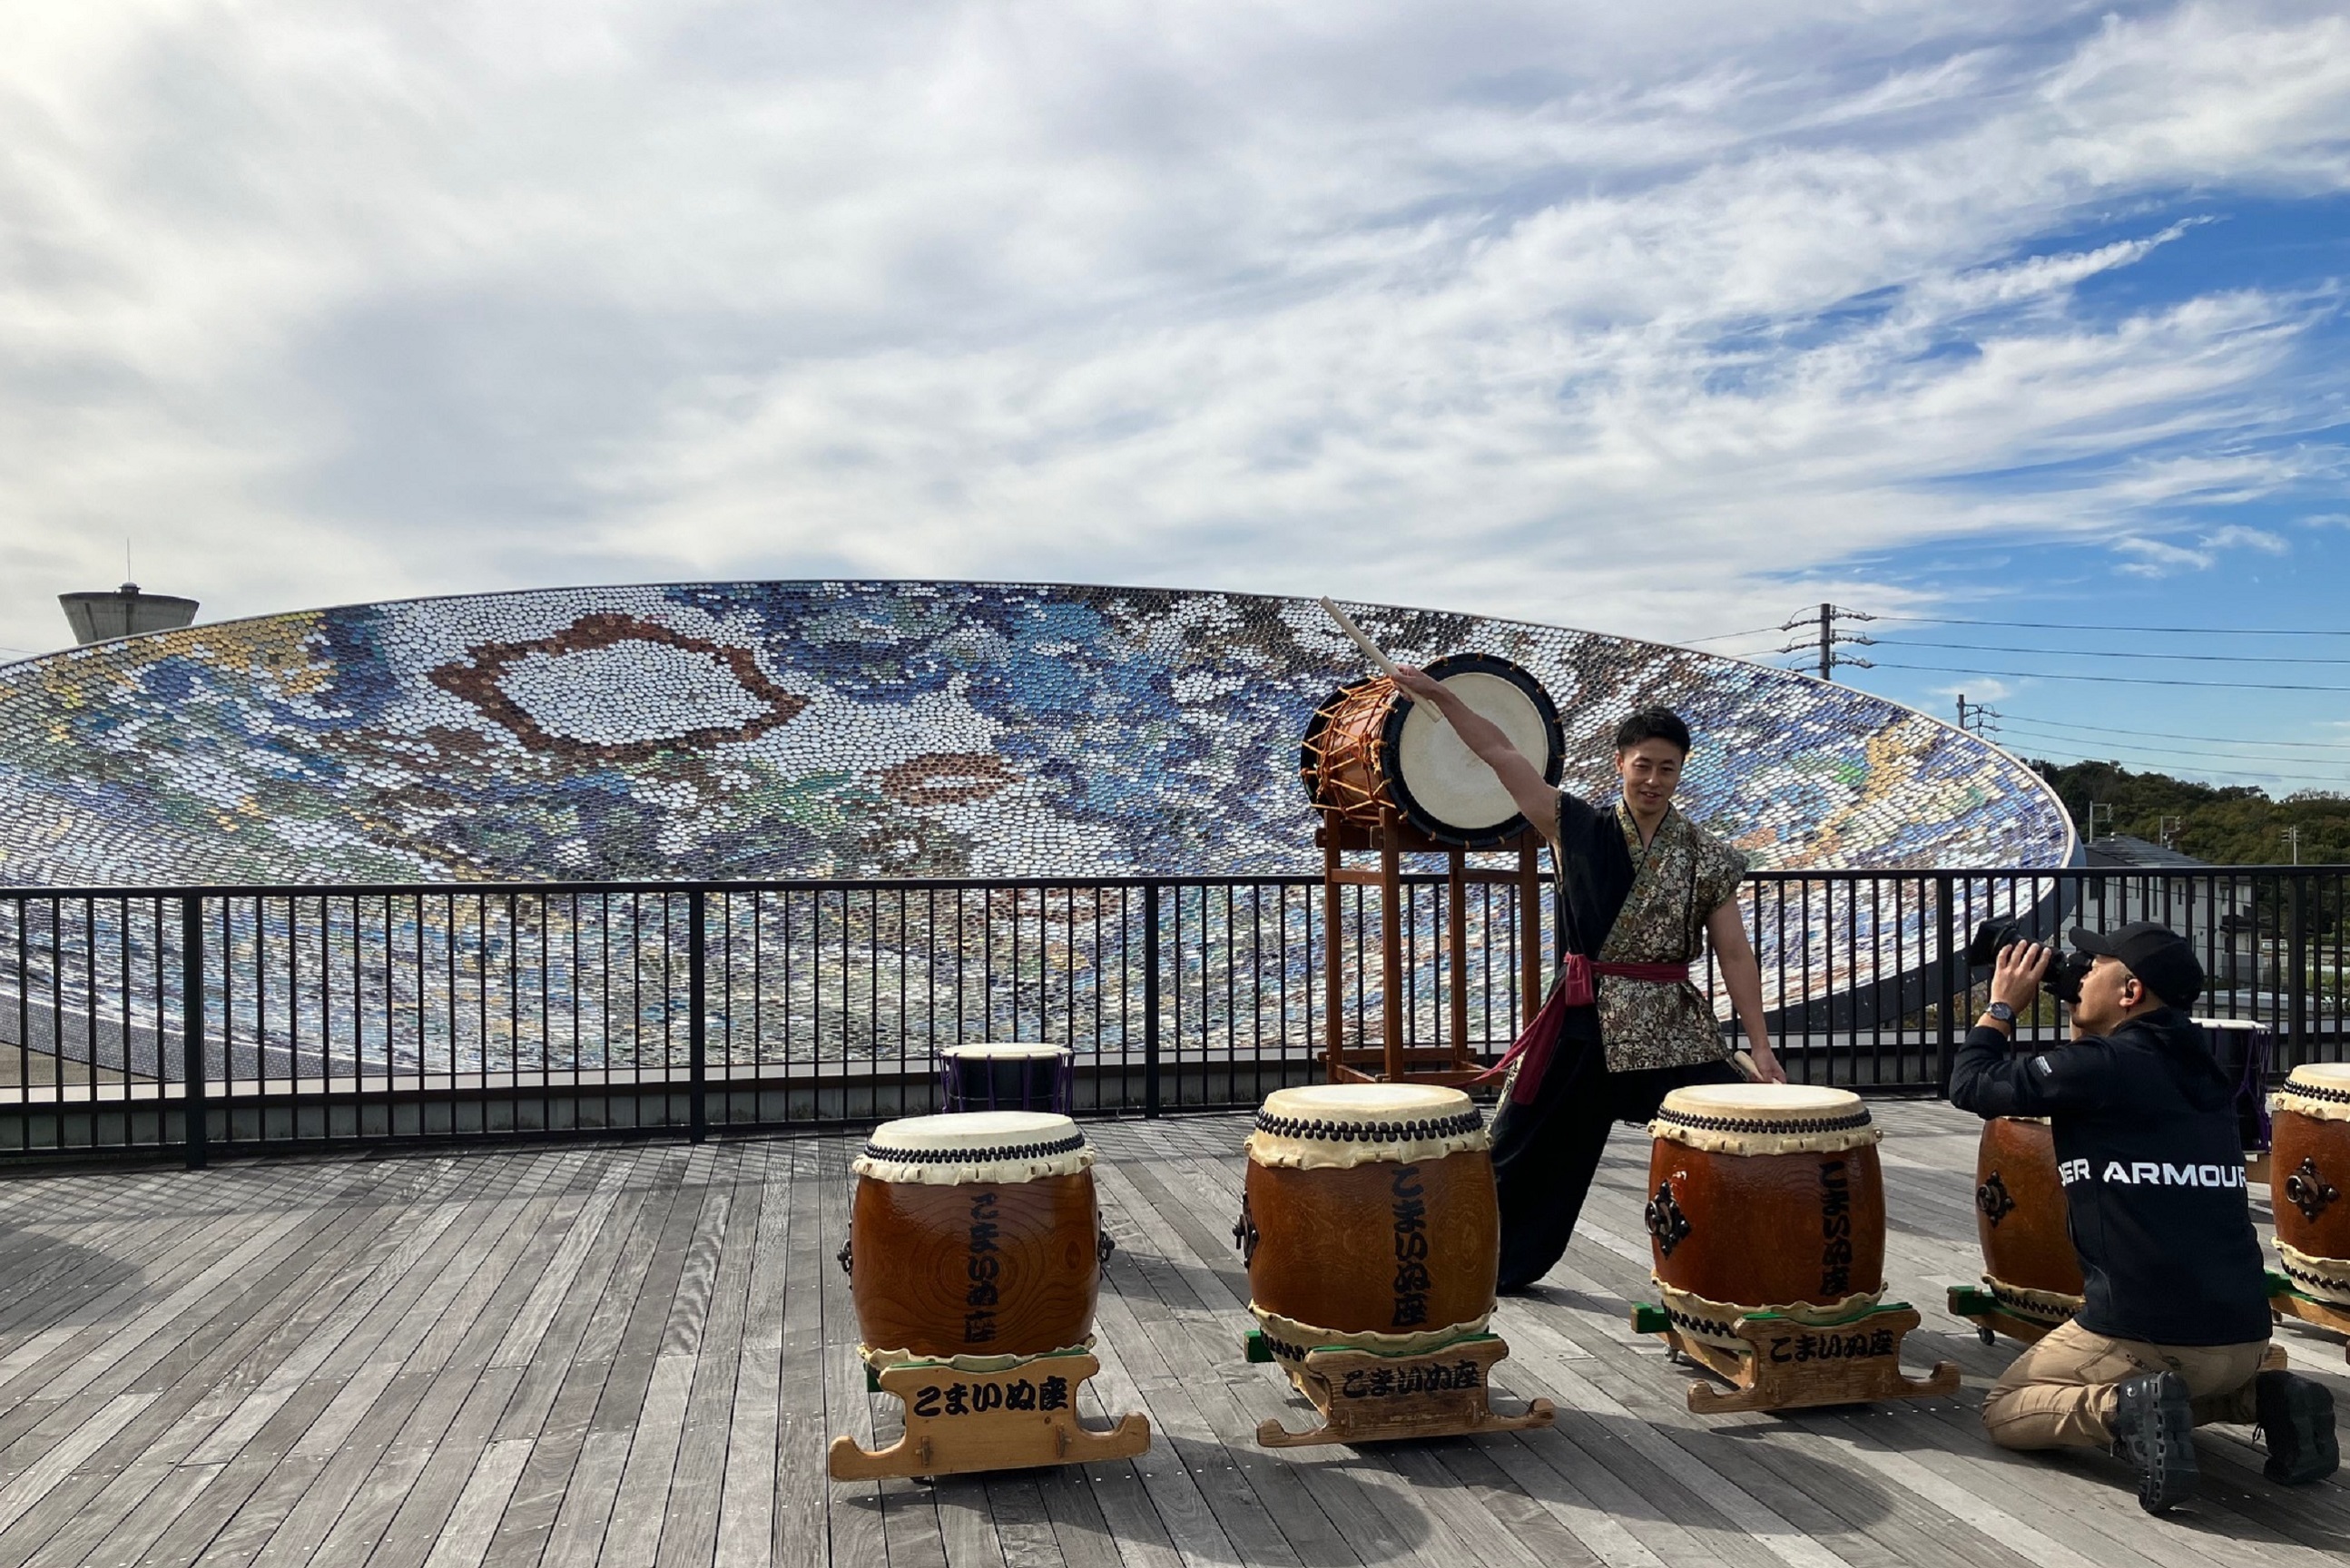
{"type": "Point", "coordinates": [2153, 1169]}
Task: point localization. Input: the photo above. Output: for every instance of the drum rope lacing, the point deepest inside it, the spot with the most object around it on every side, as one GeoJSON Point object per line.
{"type": "Point", "coordinates": [1859, 1119]}
{"type": "Point", "coordinates": [2315, 1092]}
{"type": "Point", "coordinates": [1461, 1125]}
{"type": "Point", "coordinates": [998, 1155]}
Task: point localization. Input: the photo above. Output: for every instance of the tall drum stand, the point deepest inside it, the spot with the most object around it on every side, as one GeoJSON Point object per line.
{"type": "Point", "coordinates": [1396, 1062]}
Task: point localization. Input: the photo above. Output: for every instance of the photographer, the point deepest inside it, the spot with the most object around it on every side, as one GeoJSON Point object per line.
{"type": "Point", "coordinates": [2175, 1318]}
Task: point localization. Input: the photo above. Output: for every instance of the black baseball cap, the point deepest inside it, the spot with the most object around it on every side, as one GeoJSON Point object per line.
{"type": "Point", "coordinates": [2153, 952]}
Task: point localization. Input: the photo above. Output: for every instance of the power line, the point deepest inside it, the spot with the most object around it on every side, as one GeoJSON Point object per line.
{"type": "Point", "coordinates": [1727, 636]}
{"type": "Point", "coordinates": [2106, 680]}
{"type": "Point", "coordinates": [2080, 625]}
{"type": "Point", "coordinates": [2171, 751]}
{"type": "Point", "coordinates": [2109, 653]}
{"type": "Point", "coordinates": [2341, 782]}
{"type": "Point", "coordinates": [2168, 735]}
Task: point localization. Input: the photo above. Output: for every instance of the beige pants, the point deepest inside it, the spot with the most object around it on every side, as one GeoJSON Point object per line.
{"type": "Point", "coordinates": [2060, 1392]}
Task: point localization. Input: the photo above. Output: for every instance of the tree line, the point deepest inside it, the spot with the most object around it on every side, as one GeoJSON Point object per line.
{"type": "Point", "coordinates": [2228, 825]}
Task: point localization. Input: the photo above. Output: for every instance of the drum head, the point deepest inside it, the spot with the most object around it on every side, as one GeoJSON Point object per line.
{"type": "Point", "coordinates": [1762, 1102]}
{"type": "Point", "coordinates": [2333, 1075]}
{"type": "Point", "coordinates": [962, 1131]}
{"type": "Point", "coordinates": [1002, 1053]}
{"type": "Point", "coordinates": [1364, 1105]}
{"type": "Point", "coordinates": [1442, 785]}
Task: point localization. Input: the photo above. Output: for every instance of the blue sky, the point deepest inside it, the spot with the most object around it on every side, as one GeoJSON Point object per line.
{"type": "Point", "coordinates": [1667, 320]}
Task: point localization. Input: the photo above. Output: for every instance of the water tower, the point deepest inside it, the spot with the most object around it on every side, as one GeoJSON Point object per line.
{"type": "Point", "coordinates": [125, 612]}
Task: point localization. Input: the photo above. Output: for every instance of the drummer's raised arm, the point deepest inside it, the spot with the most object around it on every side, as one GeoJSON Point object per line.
{"type": "Point", "coordinates": [1536, 798]}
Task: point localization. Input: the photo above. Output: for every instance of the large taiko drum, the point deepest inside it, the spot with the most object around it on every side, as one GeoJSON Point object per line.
{"type": "Point", "coordinates": [2309, 1179]}
{"type": "Point", "coordinates": [1371, 749]}
{"type": "Point", "coordinates": [1764, 1198]}
{"type": "Point", "coordinates": [974, 1235]}
{"type": "Point", "coordinates": [1369, 1218]}
{"type": "Point", "coordinates": [2028, 1264]}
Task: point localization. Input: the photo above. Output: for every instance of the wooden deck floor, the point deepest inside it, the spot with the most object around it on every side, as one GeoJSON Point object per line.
{"type": "Point", "coordinates": [636, 1355]}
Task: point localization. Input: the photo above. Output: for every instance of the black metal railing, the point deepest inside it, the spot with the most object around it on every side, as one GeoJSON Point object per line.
{"type": "Point", "coordinates": [254, 1018]}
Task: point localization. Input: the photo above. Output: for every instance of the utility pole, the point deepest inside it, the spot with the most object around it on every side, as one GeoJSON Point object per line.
{"type": "Point", "coordinates": [1975, 719]}
{"type": "Point", "coordinates": [2292, 836]}
{"type": "Point", "coordinates": [2100, 811]}
{"type": "Point", "coordinates": [2172, 827]}
{"type": "Point", "coordinates": [1829, 637]}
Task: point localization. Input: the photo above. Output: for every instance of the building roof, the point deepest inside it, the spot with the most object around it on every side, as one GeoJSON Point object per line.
{"type": "Point", "coordinates": [2121, 849]}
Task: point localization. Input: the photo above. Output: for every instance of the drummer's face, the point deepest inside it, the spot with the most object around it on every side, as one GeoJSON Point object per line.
{"type": "Point", "coordinates": [1651, 771]}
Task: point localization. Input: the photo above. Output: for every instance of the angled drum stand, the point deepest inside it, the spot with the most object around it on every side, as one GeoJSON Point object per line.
{"type": "Point", "coordinates": [1394, 1061]}
{"type": "Point", "coordinates": [1784, 1364]}
{"type": "Point", "coordinates": [959, 1421]}
{"type": "Point", "coordinates": [2284, 1301]}
{"type": "Point", "coordinates": [1368, 1398]}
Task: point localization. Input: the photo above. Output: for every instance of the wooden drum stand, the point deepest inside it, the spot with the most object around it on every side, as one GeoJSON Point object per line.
{"type": "Point", "coordinates": [2285, 1301]}
{"type": "Point", "coordinates": [1784, 1364]}
{"type": "Point", "coordinates": [958, 1421]}
{"type": "Point", "coordinates": [1396, 1062]}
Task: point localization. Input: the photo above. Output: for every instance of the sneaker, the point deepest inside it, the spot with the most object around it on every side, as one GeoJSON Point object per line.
{"type": "Point", "coordinates": [2296, 1420]}
{"type": "Point", "coordinates": [2154, 1429]}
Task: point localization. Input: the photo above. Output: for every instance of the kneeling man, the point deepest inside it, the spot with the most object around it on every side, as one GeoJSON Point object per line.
{"type": "Point", "coordinates": [2175, 1318]}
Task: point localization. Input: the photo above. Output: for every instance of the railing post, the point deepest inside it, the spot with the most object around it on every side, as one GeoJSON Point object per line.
{"type": "Point", "coordinates": [697, 1031]}
{"type": "Point", "coordinates": [1150, 999]}
{"type": "Point", "coordinates": [1951, 972]}
{"type": "Point", "coordinates": [2297, 951]}
{"type": "Point", "coordinates": [194, 1110]}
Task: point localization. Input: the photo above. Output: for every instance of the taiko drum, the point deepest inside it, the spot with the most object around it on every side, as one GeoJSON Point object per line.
{"type": "Point", "coordinates": [1764, 1196]}
{"type": "Point", "coordinates": [1370, 750]}
{"type": "Point", "coordinates": [2309, 1180]}
{"type": "Point", "coordinates": [2028, 1264]}
{"type": "Point", "coordinates": [1369, 1218]}
{"type": "Point", "coordinates": [974, 1234]}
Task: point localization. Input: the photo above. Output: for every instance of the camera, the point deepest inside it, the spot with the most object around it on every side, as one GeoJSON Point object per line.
{"type": "Point", "coordinates": [2065, 970]}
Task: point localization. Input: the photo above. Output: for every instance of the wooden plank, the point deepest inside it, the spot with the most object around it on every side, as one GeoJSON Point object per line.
{"type": "Point", "coordinates": [750, 1482]}
{"type": "Point", "coordinates": [697, 1490]}
{"type": "Point", "coordinates": [802, 1521]}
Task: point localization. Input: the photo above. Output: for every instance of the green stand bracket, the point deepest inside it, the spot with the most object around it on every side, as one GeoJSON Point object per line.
{"type": "Point", "coordinates": [1649, 1319]}
{"type": "Point", "coordinates": [1971, 1301]}
{"type": "Point", "coordinates": [1258, 1350]}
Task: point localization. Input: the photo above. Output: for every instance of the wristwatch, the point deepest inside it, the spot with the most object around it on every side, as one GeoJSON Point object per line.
{"type": "Point", "coordinates": [2001, 1012]}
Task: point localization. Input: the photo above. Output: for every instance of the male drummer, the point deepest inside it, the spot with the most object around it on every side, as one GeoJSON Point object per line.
{"type": "Point", "coordinates": [1642, 888]}
{"type": "Point", "coordinates": [2174, 1317]}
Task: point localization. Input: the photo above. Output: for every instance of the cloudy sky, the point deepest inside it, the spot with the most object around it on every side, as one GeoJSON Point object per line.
{"type": "Point", "coordinates": [1668, 319]}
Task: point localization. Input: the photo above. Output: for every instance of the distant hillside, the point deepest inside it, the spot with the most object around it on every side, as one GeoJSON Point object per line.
{"type": "Point", "coordinates": [2230, 826]}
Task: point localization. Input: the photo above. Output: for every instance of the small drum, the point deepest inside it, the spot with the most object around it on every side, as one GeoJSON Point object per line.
{"type": "Point", "coordinates": [1370, 748]}
{"type": "Point", "coordinates": [1369, 1218]}
{"type": "Point", "coordinates": [974, 1235]}
{"type": "Point", "coordinates": [1004, 1078]}
{"type": "Point", "coordinates": [2242, 1046]}
{"type": "Point", "coordinates": [1764, 1198]}
{"type": "Point", "coordinates": [2021, 1218]}
{"type": "Point", "coordinates": [2309, 1180]}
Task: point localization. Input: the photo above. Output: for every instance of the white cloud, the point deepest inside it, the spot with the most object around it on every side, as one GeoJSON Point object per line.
{"type": "Point", "coordinates": [2154, 559]}
{"type": "Point", "coordinates": [2236, 536]}
{"type": "Point", "coordinates": [1609, 314]}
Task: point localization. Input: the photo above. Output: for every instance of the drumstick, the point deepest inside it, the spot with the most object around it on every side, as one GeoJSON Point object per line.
{"type": "Point", "coordinates": [1347, 624]}
{"type": "Point", "coordinates": [1387, 666]}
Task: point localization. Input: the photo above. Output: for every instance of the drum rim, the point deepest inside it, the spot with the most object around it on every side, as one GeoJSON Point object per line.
{"type": "Point", "coordinates": [1516, 674]}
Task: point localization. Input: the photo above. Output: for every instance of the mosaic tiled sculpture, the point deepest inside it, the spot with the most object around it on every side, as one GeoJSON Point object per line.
{"type": "Point", "coordinates": [858, 729]}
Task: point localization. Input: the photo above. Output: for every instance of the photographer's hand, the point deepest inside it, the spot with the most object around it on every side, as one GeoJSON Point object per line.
{"type": "Point", "coordinates": [2015, 979]}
